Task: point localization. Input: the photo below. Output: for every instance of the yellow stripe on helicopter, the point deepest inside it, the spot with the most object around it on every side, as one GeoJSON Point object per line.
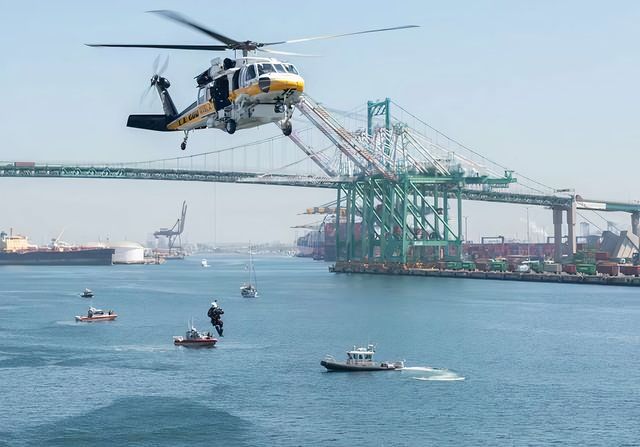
{"type": "Point", "coordinates": [275, 85]}
{"type": "Point", "coordinates": [197, 114]}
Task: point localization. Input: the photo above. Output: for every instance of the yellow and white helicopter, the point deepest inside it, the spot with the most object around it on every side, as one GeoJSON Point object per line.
{"type": "Point", "coordinates": [234, 93]}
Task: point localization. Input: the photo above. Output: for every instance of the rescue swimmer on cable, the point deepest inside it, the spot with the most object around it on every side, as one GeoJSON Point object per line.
{"type": "Point", "coordinates": [234, 93]}
{"type": "Point", "coordinates": [215, 313]}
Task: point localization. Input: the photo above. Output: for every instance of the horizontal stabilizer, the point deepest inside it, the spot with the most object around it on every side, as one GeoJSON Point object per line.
{"type": "Point", "coordinates": [149, 122]}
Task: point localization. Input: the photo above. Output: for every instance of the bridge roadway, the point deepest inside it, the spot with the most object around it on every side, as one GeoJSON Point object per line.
{"type": "Point", "coordinates": [11, 170]}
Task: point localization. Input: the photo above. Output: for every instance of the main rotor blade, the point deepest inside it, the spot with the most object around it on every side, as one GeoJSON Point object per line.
{"type": "Point", "coordinates": [156, 63]}
{"type": "Point", "coordinates": [286, 53]}
{"type": "Point", "coordinates": [168, 47]}
{"type": "Point", "coordinates": [333, 36]}
{"type": "Point", "coordinates": [172, 15]}
{"type": "Point", "coordinates": [162, 69]}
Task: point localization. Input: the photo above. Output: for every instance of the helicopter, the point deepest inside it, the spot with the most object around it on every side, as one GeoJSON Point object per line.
{"type": "Point", "coordinates": [233, 93]}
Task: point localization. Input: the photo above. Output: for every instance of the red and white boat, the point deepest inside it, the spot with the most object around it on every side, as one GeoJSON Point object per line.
{"type": "Point", "coordinates": [193, 338]}
{"type": "Point", "coordinates": [97, 315]}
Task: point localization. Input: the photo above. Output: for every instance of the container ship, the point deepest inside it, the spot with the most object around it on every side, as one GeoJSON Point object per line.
{"type": "Point", "coordinates": [16, 250]}
{"type": "Point", "coordinates": [320, 242]}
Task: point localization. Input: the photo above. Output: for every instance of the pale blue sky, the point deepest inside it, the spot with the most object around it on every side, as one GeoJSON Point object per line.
{"type": "Point", "coordinates": [549, 88]}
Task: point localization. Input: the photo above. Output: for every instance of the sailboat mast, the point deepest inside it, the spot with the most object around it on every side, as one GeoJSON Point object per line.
{"type": "Point", "coordinates": [255, 278]}
{"type": "Point", "coordinates": [250, 262]}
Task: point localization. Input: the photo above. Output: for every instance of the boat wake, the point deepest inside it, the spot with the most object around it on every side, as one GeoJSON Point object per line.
{"type": "Point", "coordinates": [143, 348]}
{"type": "Point", "coordinates": [434, 374]}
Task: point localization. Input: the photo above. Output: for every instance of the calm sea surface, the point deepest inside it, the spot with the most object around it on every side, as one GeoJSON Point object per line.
{"type": "Point", "coordinates": [492, 363]}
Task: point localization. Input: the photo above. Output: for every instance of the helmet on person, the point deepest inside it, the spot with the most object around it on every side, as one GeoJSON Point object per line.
{"type": "Point", "coordinates": [215, 303]}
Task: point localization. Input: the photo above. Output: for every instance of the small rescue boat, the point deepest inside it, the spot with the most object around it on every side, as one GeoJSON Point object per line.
{"type": "Point", "coordinates": [360, 359]}
{"type": "Point", "coordinates": [88, 293]}
{"type": "Point", "coordinates": [97, 315]}
{"type": "Point", "coordinates": [194, 338]}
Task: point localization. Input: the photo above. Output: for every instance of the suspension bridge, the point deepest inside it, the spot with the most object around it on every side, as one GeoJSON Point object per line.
{"type": "Point", "coordinates": [395, 177]}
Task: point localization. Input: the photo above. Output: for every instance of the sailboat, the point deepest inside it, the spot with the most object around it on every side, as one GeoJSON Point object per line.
{"type": "Point", "coordinates": [250, 289]}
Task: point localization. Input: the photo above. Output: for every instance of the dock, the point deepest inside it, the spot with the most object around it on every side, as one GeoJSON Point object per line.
{"type": "Point", "coordinates": [403, 269]}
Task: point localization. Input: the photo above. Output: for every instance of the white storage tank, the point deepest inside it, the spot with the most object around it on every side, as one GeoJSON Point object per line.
{"type": "Point", "coordinates": [127, 252]}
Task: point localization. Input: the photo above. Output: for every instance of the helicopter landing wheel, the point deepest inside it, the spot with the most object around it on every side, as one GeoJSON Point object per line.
{"type": "Point", "coordinates": [183, 145]}
{"type": "Point", "coordinates": [287, 128]}
{"type": "Point", "coordinates": [230, 126]}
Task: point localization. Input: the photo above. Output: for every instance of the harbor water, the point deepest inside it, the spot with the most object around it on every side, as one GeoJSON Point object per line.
{"type": "Point", "coordinates": [488, 362]}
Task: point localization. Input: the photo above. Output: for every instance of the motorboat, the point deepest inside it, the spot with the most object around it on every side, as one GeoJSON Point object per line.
{"type": "Point", "coordinates": [194, 338]}
{"type": "Point", "coordinates": [97, 315]}
{"type": "Point", "coordinates": [88, 293]}
{"type": "Point", "coordinates": [360, 359]}
{"type": "Point", "coordinates": [204, 263]}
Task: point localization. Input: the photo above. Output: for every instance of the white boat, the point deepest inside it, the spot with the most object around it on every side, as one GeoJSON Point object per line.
{"type": "Point", "coordinates": [88, 293]}
{"type": "Point", "coordinates": [97, 315]}
{"type": "Point", "coordinates": [204, 263]}
{"type": "Point", "coordinates": [249, 291]}
{"type": "Point", "coordinates": [360, 359]}
{"type": "Point", "coordinates": [250, 288]}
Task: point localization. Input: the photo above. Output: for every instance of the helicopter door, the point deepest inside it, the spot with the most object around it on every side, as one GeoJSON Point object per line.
{"type": "Point", "coordinates": [235, 85]}
{"type": "Point", "coordinates": [220, 92]}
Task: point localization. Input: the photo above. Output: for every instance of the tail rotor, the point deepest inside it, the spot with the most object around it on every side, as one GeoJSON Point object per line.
{"type": "Point", "coordinates": [158, 70]}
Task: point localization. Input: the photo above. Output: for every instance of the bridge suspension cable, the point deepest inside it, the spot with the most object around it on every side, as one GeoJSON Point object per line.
{"type": "Point", "coordinates": [547, 189]}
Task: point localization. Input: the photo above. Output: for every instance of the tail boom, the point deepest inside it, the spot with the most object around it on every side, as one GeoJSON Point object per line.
{"type": "Point", "coordinates": [150, 122]}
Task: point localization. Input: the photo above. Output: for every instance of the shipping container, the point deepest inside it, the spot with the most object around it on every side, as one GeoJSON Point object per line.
{"type": "Point", "coordinates": [454, 265]}
{"type": "Point", "coordinates": [552, 268]}
{"type": "Point", "coordinates": [498, 266]}
{"type": "Point", "coordinates": [608, 269]}
{"type": "Point", "coordinates": [24, 164]}
{"type": "Point", "coordinates": [586, 269]}
{"type": "Point", "coordinates": [535, 266]}
{"type": "Point", "coordinates": [483, 266]}
{"type": "Point", "coordinates": [569, 268]}
{"type": "Point", "coordinates": [467, 265]}
{"type": "Point", "coordinates": [630, 270]}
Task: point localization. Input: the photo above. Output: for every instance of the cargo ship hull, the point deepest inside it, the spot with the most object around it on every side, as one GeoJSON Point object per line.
{"type": "Point", "coordinates": [97, 256]}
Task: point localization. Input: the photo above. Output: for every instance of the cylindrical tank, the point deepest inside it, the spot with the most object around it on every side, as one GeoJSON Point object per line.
{"type": "Point", "coordinates": [127, 252]}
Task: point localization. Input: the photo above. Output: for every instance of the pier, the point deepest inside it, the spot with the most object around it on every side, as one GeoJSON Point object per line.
{"type": "Point", "coordinates": [431, 271]}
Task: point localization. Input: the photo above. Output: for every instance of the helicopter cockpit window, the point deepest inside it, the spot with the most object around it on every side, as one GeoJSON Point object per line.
{"type": "Point", "coordinates": [201, 95]}
{"type": "Point", "coordinates": [279, 68]}
{"type": "Point", "coordinates": [265, 68]}
{"type": "Point", "coordinates": [291, 69]}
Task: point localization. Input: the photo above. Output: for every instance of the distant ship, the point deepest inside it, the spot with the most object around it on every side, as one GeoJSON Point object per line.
{"type": "Point", "coordinates": [16, 250]}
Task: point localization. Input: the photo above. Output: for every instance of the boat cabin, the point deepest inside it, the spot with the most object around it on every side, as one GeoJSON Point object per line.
{"type": "Point", "coordinates": [93, 312]}
{"type": "Point", "coordinates": [361, 355]}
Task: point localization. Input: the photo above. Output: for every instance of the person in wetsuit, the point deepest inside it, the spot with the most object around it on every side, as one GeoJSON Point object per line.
{"type": "Point", "coordinates": [215, 313]}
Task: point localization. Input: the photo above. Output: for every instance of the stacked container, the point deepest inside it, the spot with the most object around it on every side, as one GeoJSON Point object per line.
{"type": "Point", "coordinates": [608, 268]}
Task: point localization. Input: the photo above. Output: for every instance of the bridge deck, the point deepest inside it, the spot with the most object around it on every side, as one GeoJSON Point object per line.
{"type": "Point", "coordinates": [128, 173]}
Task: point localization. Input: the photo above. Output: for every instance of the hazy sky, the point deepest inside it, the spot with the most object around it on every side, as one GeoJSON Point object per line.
{"type": "Point", "coordinates": [549, 88]}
